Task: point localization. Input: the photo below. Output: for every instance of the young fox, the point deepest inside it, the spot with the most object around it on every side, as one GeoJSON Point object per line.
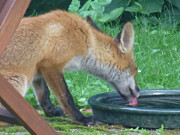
{"type": "Point", "coordinates": [44, 46]}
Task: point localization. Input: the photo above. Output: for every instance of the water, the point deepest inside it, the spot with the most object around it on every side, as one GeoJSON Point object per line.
{"type": "Point", "coordinates": [163, 102]}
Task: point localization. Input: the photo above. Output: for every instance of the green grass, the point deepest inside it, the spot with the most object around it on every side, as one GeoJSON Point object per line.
{"type": "Point", "coordinates": [83, 86]}
{"type": "Point", "coordinates": [157, 53]}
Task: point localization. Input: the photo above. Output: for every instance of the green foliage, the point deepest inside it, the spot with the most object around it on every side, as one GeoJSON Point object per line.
{"type": "Point", "coordinates": [160, 130]}
{"type": "Point", "coordinates": [150, 6]}
{"type": "Point", "coordinates": [144, 12]}
{"type": "Point", "coordinates": [42, 6]}
{"type": "Point", "coordinates": [30, 97]}
{"type": "Point", "coordinates": [95, 9]}
{"type": "Point", "coordinates": [145, 7]}
{"type": "Point", "coordinates": [175, 3]}
{"type": "Point", "coordinates": [154, 12]}
{"type": "Point", "coordinates": [139, 131]}
{"type": "Point", "coordinates": [158, 58]}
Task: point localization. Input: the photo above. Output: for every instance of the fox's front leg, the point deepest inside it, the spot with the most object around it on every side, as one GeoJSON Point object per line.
{"type": "Point", "coordinates": [56, 81]}
{"type": "Point", "coordinates": [43, 96]}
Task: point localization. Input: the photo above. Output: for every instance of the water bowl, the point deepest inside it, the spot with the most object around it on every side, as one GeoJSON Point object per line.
{"type": "Point", "coordinates": [155, 108]}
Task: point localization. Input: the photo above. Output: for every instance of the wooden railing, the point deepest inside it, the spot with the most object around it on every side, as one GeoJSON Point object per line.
{"type": "Point", "coordinates": [11, 12]}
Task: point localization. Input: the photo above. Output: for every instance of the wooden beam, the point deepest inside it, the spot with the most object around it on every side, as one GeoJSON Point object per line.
{"type": "Point", "coordinates": [6, 116]}
{"type": "Point", "coordinates": [2, 3]}
{"type": "Point", "coordinates": [23, 111]}
{"type": "Point", "coordinates": [11, 13]}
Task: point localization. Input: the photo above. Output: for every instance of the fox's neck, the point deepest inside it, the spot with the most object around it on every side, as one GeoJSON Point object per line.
{"type": "Point", "coordinates": [103, 49]}
{"type": "Point", "coordinates": [98, 59]}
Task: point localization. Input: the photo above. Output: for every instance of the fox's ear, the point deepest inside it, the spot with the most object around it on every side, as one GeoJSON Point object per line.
{"type": "Point", "coordinates": [126, 38]}
{"type": "Point", "coordinates": [90, 21]}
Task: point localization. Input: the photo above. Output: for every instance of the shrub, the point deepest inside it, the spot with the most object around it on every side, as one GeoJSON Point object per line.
{"type": "Point", "coordinates": [138, 11]}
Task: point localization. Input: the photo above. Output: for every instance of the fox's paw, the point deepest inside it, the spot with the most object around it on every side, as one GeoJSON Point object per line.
{"type": "Point", "coordinates": [89, 121]}
{"type": "Point", "coordinates": [53, 112]}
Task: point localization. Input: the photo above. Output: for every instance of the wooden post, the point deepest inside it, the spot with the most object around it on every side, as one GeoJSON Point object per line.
{"type": "Point", "coordinates": [11, 12]}
{"type": "Point", "coordinates": [23, 111]}
{"type": "Point", "coordinates": [6, 116]}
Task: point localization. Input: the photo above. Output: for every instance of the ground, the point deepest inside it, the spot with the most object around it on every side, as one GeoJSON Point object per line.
{"type": "Point", "coordinates": [65, 126]}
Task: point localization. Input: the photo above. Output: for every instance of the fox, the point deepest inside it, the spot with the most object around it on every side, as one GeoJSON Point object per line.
{"type": "Point", "coordinates": [45, 46]}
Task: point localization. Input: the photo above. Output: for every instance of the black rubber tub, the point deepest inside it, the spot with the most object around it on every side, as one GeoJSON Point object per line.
{"type": "Point", "coordinates": [155, 107]}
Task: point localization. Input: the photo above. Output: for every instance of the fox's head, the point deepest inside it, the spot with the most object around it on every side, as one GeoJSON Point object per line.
{"type": "Point", "coordinates": [116, 63]}
{"type": "Point", "coordinates": [126, 84]}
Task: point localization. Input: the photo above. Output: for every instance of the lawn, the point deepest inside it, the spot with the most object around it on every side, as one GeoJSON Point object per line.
{"type": "Point", "coordinates": [157, 55]}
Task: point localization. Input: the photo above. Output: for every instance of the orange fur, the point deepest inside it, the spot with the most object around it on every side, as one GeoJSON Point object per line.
{"type": "Point", "coordinates": [47, 44]}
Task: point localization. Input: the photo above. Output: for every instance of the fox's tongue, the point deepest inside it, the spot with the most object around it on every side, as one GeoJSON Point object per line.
{"type": "Point", "coordinates": [133, 102]}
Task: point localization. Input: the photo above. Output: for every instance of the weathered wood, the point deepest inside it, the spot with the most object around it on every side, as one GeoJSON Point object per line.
{"type": "Point", "coordinates": [10, 16]}
{"type": "Point", "coordinates": [2, 3]}
{"type": "Point", "coordinates": [6, 116]}
{"type": "Point", "coordinates": [23, 111]}
{"type": "Point", "coordinates": [11, 13]}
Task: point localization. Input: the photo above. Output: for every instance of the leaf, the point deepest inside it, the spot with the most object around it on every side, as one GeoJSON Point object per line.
{"type": "Point", "coordinates": [82, 100]}
{"type": "Point", "coordinates": [74, 6]}
{"type": "Point", "coordinates": [153, 20]}
{"type": "Point", "coordinates": [104, 2]}
{"type": "Point", "coordinates": [97, 6]}
{"type": "Point", "coordinates": [84, 14]}
{"type": "Point", "coordinates": [112, 15]}
{"type": "Point", "coordinates": [94, 15]}
{"type": "Point", "coordinates": [133, 8]}
{"type": "Point", "coordinates": [86, 6]}
{"type": "Point", "coordinates": [170, 17]}
{"type": "Point", "coordinates": [155, 50]}
{"type": "Point", "coordinates": [154, 32]}
{"type": "Point", "coordinates": [148, 20]}
{"type": "Point", "coordinates": [138, 4]}
{"type": "Point", "coordinates": [160, 130]}
{"type": "Point", "coordinates": [154, 86]}
{"type": "Point", "coordinates": [116, 4]}
{"type": "Point", "coordinates": [68, 81]}
{"type": "Point", "coordinates": [144, 21]}
{"type": "Point", "coordinates": [151, 6]}
{"type": "Point", "coordinates": [175, 3]}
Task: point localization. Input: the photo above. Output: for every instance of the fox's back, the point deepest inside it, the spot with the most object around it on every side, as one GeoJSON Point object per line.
{"type": "Point", "coordinates": [55, 34]}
